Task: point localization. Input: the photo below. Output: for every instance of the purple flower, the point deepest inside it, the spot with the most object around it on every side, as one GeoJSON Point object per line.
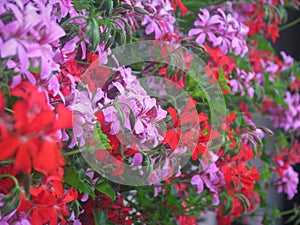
{"type": "Point", "coordinates": [242, 82]}
{"type": "Point", "coordinates": [84, 119]}
{"type": "Point", "coordinates": [132, 98]}
{"type": "Point", "coordinates": [205, 28]}
{"type": "Point", "coordinates": [288, 61]}
{"type": "Point", "coordinates": [196, 180]}
{"type": "Point", "coordinates": [210, 176]}
{"type": "Point", "coordinates": [160, 21]}
{"type": "Point", "coordinates": [30, 39]}
{"type": "Point", "coordinates": [137, 159]}
{"type": "Point", "coordinates": [287, 118]}
{"type": "Point", "coordinates": [221, 30]}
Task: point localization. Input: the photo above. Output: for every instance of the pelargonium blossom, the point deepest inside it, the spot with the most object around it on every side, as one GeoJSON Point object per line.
{"type": "Point", "coordinates": [242, 82]}
{"type": "Point", "coordinates": [147, 114]}
{"type": "Point", "coordinates": [221, 30]}
{"type": "Point", "coordinates": [287, 118]}
{"type": "Point", "coordinates": [84, 108]}
{"type": "Point", "coordinates": [29, 41]}
{"type": "Point", "coordinates": [160, 20]}
{"type": "Point", "coordinates": [211, 176]}
{"type": "Point", "coordinates": [288, 182]}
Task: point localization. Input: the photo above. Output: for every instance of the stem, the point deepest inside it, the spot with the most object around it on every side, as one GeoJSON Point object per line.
{"type": "Point", "coordinates": [11, 177]}
{"type": "Point", "coordinates": [70, 19]}
{"type": "Point", "coordinates": [9, 110]}
{"type": "Point", "coordinates": [289, 24]}
{"type": "Point", "coordinates": [287, 212]}
{"type": "Point", "coordinates": [253, 16]}
{"type": "Point", "coordinates": [5, 162]}
{"type": "Point", "coordinates": [104, 107]}
{"type": "Point", "coordinates": [74, 152]}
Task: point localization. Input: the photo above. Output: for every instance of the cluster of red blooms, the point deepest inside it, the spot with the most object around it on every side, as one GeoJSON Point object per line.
{"type": "Point", "coordinates": [176, 136]}
{"type": "Point", "coordinates": [116, 211]}
{"type": "Point", "coordinates": [239, 178]}
{"type": "Point", "coordinates": [31, 139]}
{"type": "Point", "coordinates": [258, 23]}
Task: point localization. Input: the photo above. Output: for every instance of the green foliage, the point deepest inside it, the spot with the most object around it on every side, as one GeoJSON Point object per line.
{"type": "Point", "coordinates": [79, 180]}
{"type": "Point", "coordinates": [11, 201]}
{"type": "Point", "coordinates": [101, 218]}
{"type": "Point", "coordinates": [105, 188]}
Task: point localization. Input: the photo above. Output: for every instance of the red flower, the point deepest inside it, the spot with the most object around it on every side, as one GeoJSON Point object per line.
{"type": "Point", "coordinates": [48, 202]}
{"type": "Point", "coordinates": [272, 30]}
{"type": "Point", "coordinates": [181, 6]}
{"type": "Point", "coordinates": [116, 211]}
{"type": "Point", "coordinates": [32, 140]}
{"type": "Point", "coordinates": [258, 23]}
{"type": "Point", "coordinates": [184, 220]}
{"type": "Point", "coordinates": [190, 129]}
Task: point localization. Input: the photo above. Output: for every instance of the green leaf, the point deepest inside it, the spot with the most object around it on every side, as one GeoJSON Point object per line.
{"type": "Point", "coordinates": [101, 138]}
{"type": "Point", "coordinates": [276, 212]}
{"type": "Point", "coordinates": [11, 201]}
{"type": "Point", "coordinates": [110, 6]}
{"type": "Point", "coordinates": [120, 114]}
{"type": "Point", "coordinates": [243, 63]}
{"type": "Point", "coordinates": [71, 176]}
{"type": "Point", "coordinates": [132, 120]}
{"type": "Point", "coordinates": [35, 69]}
{"type": "Point", "coordinates": [111, 40]}
{"type": "Point", "coordinates": [223, 81]}
{"type": "Point", "coordinates": [101, 218]}
{"type": "Point", "coordinates": [93, 32]}
{"type": "Point", "coordinates": [105, 188]}
{"type": "Point", "coordinates": [79, 180]}
{"type": "Point", "coordinates": [141, 11]}
{"type": "Point", "coordinates": [228, 206]}
{"type": "Point", "coordinates": [266, 173]}
{"type": "Point", "coordinates": [263, 44]}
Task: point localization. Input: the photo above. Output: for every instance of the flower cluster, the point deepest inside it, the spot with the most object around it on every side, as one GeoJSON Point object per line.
{"type": "Point", "coordinates": [221, 30]}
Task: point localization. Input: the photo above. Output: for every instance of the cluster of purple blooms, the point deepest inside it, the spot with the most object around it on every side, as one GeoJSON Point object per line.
{"type": "Point", "coordinates": [287, 118]}
{"type": "Point", "coordinates": [289, 183]}
{"type": "Point", "coordinates": [29, 41]}
{"type": "Point", "coordinates": [160, 20]}
{"type": "Point", "coordinates": [221, 30]}
{"type": "Point", "coordinates": [211, 176]}
{"type": "Point", "coordinates": [242, 82]}
{"type": "Point", "coordinates": [133, 98]}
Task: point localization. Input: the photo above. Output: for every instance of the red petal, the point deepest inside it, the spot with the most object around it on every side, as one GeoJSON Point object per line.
{"type": "Point", "coordinates": [49, 159]}
{"type": "Point", "coordinates": [71, 195]}
{"type": "Point", "coordinates": [171, 138]}
{"type": "Point", "coordinates": [36, 218]}
{"type": "Point", "coordinates": [2, 103]}
{"type": "Point", "coordinates": [8, 146]}
{"type": "Point", "coordinates": [23, 160]}
{"type": "Point", "coordinates": [64, 117]}
{"type": "Point", "coordinates": [173, 114]}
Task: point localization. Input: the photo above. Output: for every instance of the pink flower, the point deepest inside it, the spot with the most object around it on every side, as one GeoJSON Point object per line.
{"type": "Point", "coordinates": [132, 98]}
{"type": "Point", "coordinates": [160, 21]}
{"type": "Point", "coordinates": [205, 28]}
{"type": "Point", "coordinates": [30, 39]}
{"type": "Point", "coordinates": [221, 30]}
{"type": "Point", "coordinates": [288, 183]}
